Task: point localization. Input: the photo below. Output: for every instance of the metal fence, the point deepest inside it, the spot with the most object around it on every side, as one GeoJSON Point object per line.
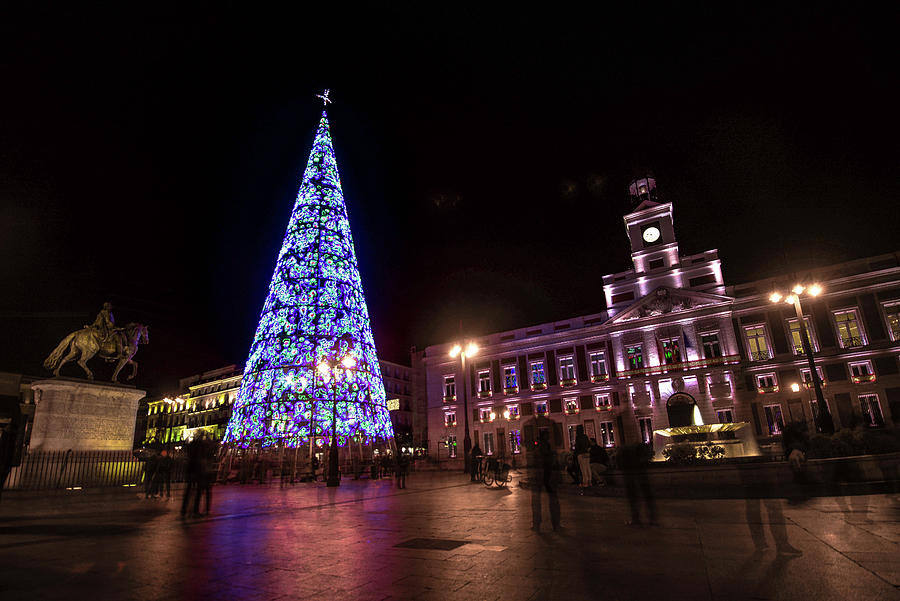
{"type": "Point", "coordinates": [74, 470]}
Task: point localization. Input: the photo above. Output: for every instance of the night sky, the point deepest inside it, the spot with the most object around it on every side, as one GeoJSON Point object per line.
{"type": "Point", "coordinates": [152, 159]}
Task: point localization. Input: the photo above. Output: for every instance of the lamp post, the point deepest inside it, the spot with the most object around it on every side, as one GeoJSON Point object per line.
{"type": "Point", "coordinates": [329, 368]}
{"type": "Point", "coordinates": [824, 421]}
{"type": "Point", "coordinates": [470, 351]}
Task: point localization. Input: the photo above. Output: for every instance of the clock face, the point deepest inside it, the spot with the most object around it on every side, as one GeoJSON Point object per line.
{"type": "Point", "coordinates": [651, 234]}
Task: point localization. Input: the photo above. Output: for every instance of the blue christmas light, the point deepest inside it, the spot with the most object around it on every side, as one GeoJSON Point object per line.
{"type": "Point", "coordinates": [313, 353]}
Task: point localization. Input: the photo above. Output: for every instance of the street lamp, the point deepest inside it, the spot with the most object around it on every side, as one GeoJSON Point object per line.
{"type": "Point", "coordinates": [334, 367]}
{"type": "Point", "coordinates": [470, 351]}
{"type": "Point", "coordinates": [824, 421]}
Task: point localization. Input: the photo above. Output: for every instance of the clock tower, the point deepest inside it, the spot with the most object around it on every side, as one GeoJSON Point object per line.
{"type": "Point", "coordinates": [650, 228]}
{"type": "Point", "coordinates": [655, 255]}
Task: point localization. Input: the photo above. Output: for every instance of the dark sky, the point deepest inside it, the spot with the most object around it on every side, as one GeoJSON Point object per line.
{"type": "Point", "coordinates": [152, 159]}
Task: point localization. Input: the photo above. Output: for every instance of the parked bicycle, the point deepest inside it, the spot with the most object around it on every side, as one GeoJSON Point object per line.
{"type": "Point", "coordinates": [494, 472]}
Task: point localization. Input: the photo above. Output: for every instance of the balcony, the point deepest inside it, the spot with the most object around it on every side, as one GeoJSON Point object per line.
{"type": "Point", "coordinates": [863, 379]}
{"type": "Point", "coordinates": [483, 394]}
{"type": "Point", "coordinates": [600, 378]}
{"type": "Point", "coordinates": [538, 386]}
{"type": "Point", "coordinates": [760, 355]}
{"type": "Point", "coordinates": [568, 382]}
{"type": "Point", "coordinates": [450, 424]}
{"type": "Point", "coordinates": [851, 341]}
{"type": "Point", "coordinates": [511, 390]}
{"type": "Point", "coordinates": [450, 398]}
{"type": "Point", "coordinates": [809, 385]}
{"type": "Point", "coordinates": [767, 389]}
{"type": "Point", "coordinates": [686, 365]}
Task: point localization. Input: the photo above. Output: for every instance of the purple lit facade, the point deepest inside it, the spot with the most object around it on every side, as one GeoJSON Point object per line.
{"type": "Point", "coordinates": [673, 327]}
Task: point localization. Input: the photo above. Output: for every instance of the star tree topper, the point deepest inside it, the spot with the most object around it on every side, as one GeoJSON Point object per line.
{"type": "Point", "coordinates": [324, 97]}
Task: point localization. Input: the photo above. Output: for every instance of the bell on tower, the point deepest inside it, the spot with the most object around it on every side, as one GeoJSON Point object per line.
{"type": "Point", "coordinates": [643, 189]}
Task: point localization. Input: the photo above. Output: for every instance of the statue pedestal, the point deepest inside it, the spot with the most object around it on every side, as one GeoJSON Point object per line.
{"type": "Point", "coordinates": [83, 415]}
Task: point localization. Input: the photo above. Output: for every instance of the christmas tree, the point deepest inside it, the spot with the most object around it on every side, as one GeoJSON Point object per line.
{"type": "Point", "coordinates": [313, 362]}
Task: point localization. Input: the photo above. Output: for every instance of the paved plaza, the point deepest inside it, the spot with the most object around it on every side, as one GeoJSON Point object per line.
{"type": "Point", "coordinates": [443, 538]}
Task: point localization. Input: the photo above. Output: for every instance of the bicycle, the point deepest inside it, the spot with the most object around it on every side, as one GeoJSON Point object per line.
{"type": "Point", "coordinates": [493, 471]}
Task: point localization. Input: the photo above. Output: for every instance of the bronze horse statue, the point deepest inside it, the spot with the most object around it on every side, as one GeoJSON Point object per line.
{"type": "Point", "coordinates": [85, 343]}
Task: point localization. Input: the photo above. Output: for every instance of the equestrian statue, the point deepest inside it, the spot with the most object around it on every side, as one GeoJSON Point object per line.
{"type": "Point", "coordinates": [115, 345]}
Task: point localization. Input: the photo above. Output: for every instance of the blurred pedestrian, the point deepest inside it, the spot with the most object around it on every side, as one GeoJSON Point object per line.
{"type": "Point", "coordinates": [583, 456]}
{"type": "Point", "coordinates": [151, 464]}
{"type": "Point", "coordinates": [544, 479]}
{"type": "Point", "coordinates": [402, 469]}
{"type": "Point", "coordinates": [194, 475]}
{"type": "Point", "coordinates": [633, 461]}
{"type": "Point", "coordinates": [209, 470]}
{"type": "Point", "coordinates": [599, 463]}
{"type": "Point", "coordinates": [476, 466]}
{"type": "Point", "coordinates": [164, 474]}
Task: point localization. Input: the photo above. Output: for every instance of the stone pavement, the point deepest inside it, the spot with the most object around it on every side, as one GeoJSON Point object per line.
{"type": "Point", "coordinates": [443, 538]}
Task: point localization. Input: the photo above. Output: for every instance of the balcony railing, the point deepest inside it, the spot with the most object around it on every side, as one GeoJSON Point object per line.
{"type": "Point", "coordinates": [511, 390]}
{"type": "Point", "coordinates": [768, 389]}
{"type": "Point", "coordinates": [697, 364]}
{"type": "Point", "coordinates": [539, 386]}
{"type": "Point", "coordinates": [568, 382]}
{"type": "Point", "coordinates": [851, 341]}
{"type": "Point", "coordinates": [863, 379]}
{"type": "Point", "coordinates": [798, 349]}
{"type": "Point", "coordinates": [449, 398]}
{"type": "Point", "coordinates": [483, 394]}
{"type": "Point", "coordinates": [760, 355]}
{"type": "Point", "coordinates": [600, 378]}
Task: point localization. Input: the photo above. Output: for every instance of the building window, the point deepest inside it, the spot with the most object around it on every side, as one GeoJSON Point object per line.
{"type": "Point", "coordinates": [488, 443]}
{"type": "Point", "coordinates": [450, 419]}
{"type": "Point", "coordinates": [486, 415]}
{"type": "Point", "coordinates": [757, 345]}
{"type": "Point", "coordinates": [484, 383]}
{"type": "Point", "coordinates": [711, 348]}
{"type": "Point", "coordinates": [774, 419]}
{"type": "Point", "coordinates": [540, 408]}
{"type": "Point", "coordinates": [538, 379]}
{"type": "Point", "coordinates": [796, 335]}
{"type": "Point", "coordinates": [848, 330]}
{"type": "Point", "coordinates": [871, 410]}
{"type": "Point", "coordinates": [814, 408]}
{"type": "Point", "coordinates": [601, 401]}
{"type": "Point", "coordinates": [449, 388]}
{"type": "Point", "coordinates": [892, 315]}
{"type": "Point", "coordinates": [671, 348]}
{"type": "Point", "coordinates": [607, 437]}
{"type": "Point", "coordinates": [644, 425]}
{"type": "Point", "coordinates": [515, 441]}
{"type": "Point", "coordinates": [861, 372]}
{"type": "Point", "coordinates": [451, 445]}
{"type": "Point", "coordinates": [571, 406]}
{"type": "Point", "coordinates": [566, 370]}
{"type": "Point", "coordinates": [807, 379]}
{"type": "Point", "coordinates": [513, 411]}
{"type": "Point", "coordinates": [510, 383]}
{"type": "Point", "coordinates": [725, 416]}
{"type": "Point", "coordinates": [634, 356]}
{"type": "Point", "coordinates": [598, 367]}
{"type": "Point", "coordinates": [766, 383]}
{"type": "Point", "coordinates": [572, 429]}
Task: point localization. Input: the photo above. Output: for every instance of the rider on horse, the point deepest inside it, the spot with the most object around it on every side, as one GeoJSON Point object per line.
{"type": "Point", "coordinates": [104, 328]}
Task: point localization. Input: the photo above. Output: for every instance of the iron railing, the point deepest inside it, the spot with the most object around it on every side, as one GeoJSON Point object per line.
{"type": "Point", "coordinates": [79, 470]}
{"type": "Point", "coordinates": [760, 355]}
{"type": "Point", "coordinates": [851, 341]}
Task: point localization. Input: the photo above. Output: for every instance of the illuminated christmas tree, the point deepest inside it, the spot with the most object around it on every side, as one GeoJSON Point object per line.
{"type": "Point", "coordinates": [313, 362]}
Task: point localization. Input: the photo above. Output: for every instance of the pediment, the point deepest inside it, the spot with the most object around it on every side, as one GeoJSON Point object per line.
{"type": "Point", "coordinates": [665, 300]}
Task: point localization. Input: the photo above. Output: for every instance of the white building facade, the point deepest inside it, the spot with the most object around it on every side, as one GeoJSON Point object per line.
{"type": "Point", "coordinates": [673, 328]}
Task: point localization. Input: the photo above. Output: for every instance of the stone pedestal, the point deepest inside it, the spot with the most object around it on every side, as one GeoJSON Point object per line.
{"type": "Point", "coordinates": [83, 415]}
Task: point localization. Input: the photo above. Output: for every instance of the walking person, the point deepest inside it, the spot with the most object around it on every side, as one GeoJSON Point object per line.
{"type": "Point", "coordinates": [402, 469]}
{"type": "Point", "coordinates": [209, 470]}
{"type": "Point", "coordinates": [194, 473]}
{"type": "Point", "coordinates": [544, 480]}
{"type": "Point", "coordinates": [476, 456]}
{"type": "Point", "coordinates": [150, 477]}
{"type": "Point", "coordinates": [583, 457]}
{"type": "Point", "coordinates": [633, 460]}
{"type": "Point", "coordinates": [599, 463]}
{"type": "Point", "coordinates": [164, 474]}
